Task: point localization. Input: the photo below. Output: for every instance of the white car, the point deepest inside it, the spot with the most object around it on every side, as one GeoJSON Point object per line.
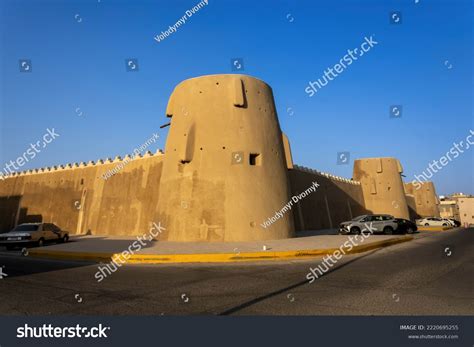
{"type": "Point", "coordinates": [434, 221]}
{"type": "Point", "coordinates": [33, 233]}
{"type": "Point", "coordinates": [452, 222]}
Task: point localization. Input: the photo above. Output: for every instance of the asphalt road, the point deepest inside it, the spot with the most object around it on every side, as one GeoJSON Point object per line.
{"type": "Point", "coordinates": [431, 275]}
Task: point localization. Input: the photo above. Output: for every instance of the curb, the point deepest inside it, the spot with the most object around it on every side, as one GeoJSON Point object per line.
{"type": "Point", "coordinates": [211, 257]}
{"type": "Point", "coordinates": [429, 228]}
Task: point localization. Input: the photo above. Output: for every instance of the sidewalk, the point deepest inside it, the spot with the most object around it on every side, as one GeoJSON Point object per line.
{"type": "Point", "coordinates": [105, 249]}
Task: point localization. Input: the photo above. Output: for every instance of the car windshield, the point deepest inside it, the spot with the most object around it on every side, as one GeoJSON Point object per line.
{"type": "Point", "coordinates": [26, 227]}
{"type": "Point", "coordinates": [359, 217]}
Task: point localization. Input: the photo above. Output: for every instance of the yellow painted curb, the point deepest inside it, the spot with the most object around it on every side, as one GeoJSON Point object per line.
{"type": "Point", "coordinates": [211, 257]}
{"type": "Point", "coordinates": [431, 228]}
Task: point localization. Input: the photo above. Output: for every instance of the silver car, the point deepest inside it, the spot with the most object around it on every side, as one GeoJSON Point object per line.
{"type": "Point", "coordinates": [33, 234]}
{"type": "Point", "coordinates": [372, 223]}
{"type": "Point", "coordinates": [435, 221]}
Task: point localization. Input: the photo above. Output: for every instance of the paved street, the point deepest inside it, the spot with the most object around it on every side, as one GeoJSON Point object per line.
{"type": "Point", "coordinates": [431, 275]}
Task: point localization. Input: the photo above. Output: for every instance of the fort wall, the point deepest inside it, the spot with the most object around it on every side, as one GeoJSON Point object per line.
{"type": "Point", "coordinates": [78, 199]}
{"type": "Point", "coordinates": [227, 169]}
{"type": "Point", "coordinates": [337, 199]}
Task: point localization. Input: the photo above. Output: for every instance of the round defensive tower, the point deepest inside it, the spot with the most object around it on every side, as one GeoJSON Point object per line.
{"type": "Point", "coordinates": [382, 186]}
{"type": "Point", "coordinates": [426, 200]}
{"type": "Point", "coordinates": [224, 169]}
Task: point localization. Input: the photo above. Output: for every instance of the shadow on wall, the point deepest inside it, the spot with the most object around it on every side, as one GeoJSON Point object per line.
{"type": "Point", "coordinates": [8, 212]}
{"type": "Point", "coordinates": [331, 203]}
{"type": "Point", "coordinates": [11, 214]}
{"type": "Point", "coordinates": [26, 218]}
{"type": "Point", "coordinates": [413, 214]}
{"type": "Point", "coordinates": [411, 202]}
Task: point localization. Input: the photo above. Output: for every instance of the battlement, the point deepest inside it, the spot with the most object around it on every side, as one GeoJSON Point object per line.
{"type": "Point", "coordinates": [82, 164]}
{"type": "Point", "coordinates": [327, 175]}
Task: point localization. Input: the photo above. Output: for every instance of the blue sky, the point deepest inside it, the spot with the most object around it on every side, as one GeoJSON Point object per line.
{"type": "Point", "coordinates": [78, 49]}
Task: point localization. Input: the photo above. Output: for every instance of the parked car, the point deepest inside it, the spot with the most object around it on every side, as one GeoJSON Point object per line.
{"type": "Point", "coordinates": [455, 222]}
{"type": "Point", "coordinates": [405, 226]}
{"type": "Point", "coordinates": [451, 222]}
{"type": "Point", "coordinates": [434, 221]}
{"type": "Point", "coordinates": [33, 234]}
{"type": "Point", "coordinates": [373, 223]}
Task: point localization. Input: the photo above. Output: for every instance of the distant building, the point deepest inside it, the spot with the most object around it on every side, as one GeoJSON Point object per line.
{"type": "Point", "coordinates": [458, 206]}
{"type": "Point", "coordinates": [466, 210]}
{"type": "Point", "coordinates": [449, 209]}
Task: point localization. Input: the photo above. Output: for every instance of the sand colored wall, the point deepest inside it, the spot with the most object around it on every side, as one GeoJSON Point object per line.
{"type": "Point", "coordinates": [426, 200]}
{"type": "Point", "coordinates": [382, 185]}
{"type": "Point", "coordinates": [411, 206]}
{"type": "Point", "coordinates": [210, 191]}
{"type": "Point", "coordinates": [466, 211]}
{"type": "Point", "coordinates": [78, 199]}
{"type": "Point", "coordinates": [336, 199]}
{"type": "Point", "coordinates": [227, 169]}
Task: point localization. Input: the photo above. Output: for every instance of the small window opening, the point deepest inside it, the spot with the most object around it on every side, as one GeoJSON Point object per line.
{"type": "Point", "coordinates": [255, 159]}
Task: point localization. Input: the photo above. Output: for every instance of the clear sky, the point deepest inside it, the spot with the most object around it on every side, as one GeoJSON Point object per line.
{"type": "Point", "coordinates": [79, 84]}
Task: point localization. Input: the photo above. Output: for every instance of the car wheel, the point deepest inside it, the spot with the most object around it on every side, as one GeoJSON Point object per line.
{"type": "Point", "coordinates": [388, 230]}
{"type": "Point", "coordinates": [427, 225]}
{"type": "Point", "coordinates": [445, 225]}
{"type": "Point", "coordinates": [41, 242]}
{"type": "Point", "coordinates": [65, 239]}
{"type": "Point", "coordinates": [410, 230]}
{"type": "Point", "coordinates": [355, 230]}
